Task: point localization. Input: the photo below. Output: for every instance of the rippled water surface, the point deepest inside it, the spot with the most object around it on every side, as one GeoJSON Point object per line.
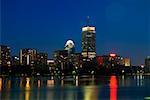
{"type": "Point", "coordinates": [76, 88]}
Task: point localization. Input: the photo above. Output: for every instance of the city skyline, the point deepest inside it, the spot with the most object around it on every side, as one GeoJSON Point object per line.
{"type": "Point", "coordinates": [120, 28]}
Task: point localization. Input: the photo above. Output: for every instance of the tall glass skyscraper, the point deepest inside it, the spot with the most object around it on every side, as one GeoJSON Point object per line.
{"type": "Point", "coordinates": [88, 42]}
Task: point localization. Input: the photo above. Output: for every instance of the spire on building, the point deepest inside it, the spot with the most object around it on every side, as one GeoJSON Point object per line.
{"type": "Point", "coordinates": [87, 20]}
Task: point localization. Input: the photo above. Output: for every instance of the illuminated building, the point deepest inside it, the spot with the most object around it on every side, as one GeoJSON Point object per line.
{"type": "Point", "coordinates": [147, 64]}
{"type": "Point", "coordinates": [41, 58]}
{"type": "Point", "coordinates": [100, 60]}
{"type": "Point", "coordinates": [70, 46]}
{"type": "Point", "coordinates": [51, 65]}
{"type": "Point", "coordinates": [5, 59]}
{"type": "Point", "coordinates": [114, 60]}
{"type": "Point", "coordinates": [15, 60]}
{"type": "Point", "coordinates": [77, 60]}
{"type": "Point", "coordinates": [50, 62]}
{"type": "Point", "coordinates": [60, 55]}
{"type": "Point", "coordinates": [66, 62]}
{"type": "Point", "coordinates": [126, 62]}
{"type": "Point", "coordinates": [88, 42]}
{"type": "Point", "coordinates": [27, 56]}
{"type": "Point", "coordinates": [73, 58]}
{"type": "Point", "coordinates": [110, 60]}
{"type": "Point", "coordinates": [103, 60]}
{"type": "Point", "coordinates": [113, 63]}
{"type": "Point", "coordinates": [60, 58]}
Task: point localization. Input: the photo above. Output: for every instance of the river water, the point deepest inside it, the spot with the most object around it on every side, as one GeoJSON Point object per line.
{"type": "Point", "coordinates": [75, 88]}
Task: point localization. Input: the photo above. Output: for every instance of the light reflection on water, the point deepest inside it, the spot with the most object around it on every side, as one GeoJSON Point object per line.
{"type": "Point", "coordinates": [113, 88]}
{"type": "Point", "coordinates": [0, 84]}
{"type": "Point", "coordinates": [76, 87]}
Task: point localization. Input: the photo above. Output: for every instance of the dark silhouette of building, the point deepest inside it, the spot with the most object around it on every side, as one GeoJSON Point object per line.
{"type": "Point", "coordinates": [147, 64]}
{"type": "Point", "coordinates": [41, 58]}
{"type": "Point", "coordinates": [15, 60]}
{"type": "Point", "coordinates": [61, 61]}
{"type": "Point", "coordinates": [5, 57]}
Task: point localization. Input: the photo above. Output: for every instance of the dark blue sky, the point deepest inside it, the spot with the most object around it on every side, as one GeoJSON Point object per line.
{"type": "Point", "coordinates": [122, 26]}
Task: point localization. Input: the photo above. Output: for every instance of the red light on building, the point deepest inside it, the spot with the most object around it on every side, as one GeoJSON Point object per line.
{"type": "Point", "coordinates": [113, 55]}
{"type": "Point", "coordinates": [100, 60]}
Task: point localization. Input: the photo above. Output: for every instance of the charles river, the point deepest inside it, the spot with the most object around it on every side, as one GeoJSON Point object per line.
{"type": "Point", "coordinates": [136, 87]}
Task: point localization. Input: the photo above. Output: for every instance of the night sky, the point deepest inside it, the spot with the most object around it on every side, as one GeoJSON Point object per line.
{"type": "Point", "coordinates": [122, 26]}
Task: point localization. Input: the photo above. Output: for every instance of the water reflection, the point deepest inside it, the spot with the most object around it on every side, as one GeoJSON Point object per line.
{"type": "Point", "coordinates": [90, 93]}
{"type": "Point", "coordinates": [27, 87]}
{"type": "Point", "coordinates": [113, 88]}
{"type": "Point", "coordinates": [9, 84]}
{"type": "Point", "coordinates": [139, 80]}
{"type": "Point", "coordinates": [50, 83]}
{"type": "Point", "coordinates": [39, 83]}
{"type": "Point", "coordinates": [62, 82]}
{"type": "Point", "coordinates": [0, 84]}
{"type": "Point", "coordinates": [77, 82]}
{"type": "Point", "coordinates": [74, 87]}
{"type": "Point", "coordinates": [27, 84]}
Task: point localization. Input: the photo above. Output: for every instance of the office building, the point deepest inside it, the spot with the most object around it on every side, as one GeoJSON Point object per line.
{"type": "Point", "coordinates": [100, 60]}
{"type": "Point", "coordinates": [76, 60]}
{"type": "Point", "coordinates": [109, 61]}
{"type": "Point", "coordinates": [15, 60]}
{"type": "Point", "coordinates": [5, 57]}
{"type": "Point", "coordinates": [147, 64]}
{"type": "Point", "coordinates": [51, 65]}
{"type": "Point", "coordinates": [50, 62]}
{"type": "Point", "coordinates": [61, 59]}
{"type": "Point", "coordinates": [126, 62]}
{"type": "Point", "coordinates": [41, 58]}
{"type": "Point", "coordinates": [28, 56]}
{"type": "Point", "coordinates": [88, 42]}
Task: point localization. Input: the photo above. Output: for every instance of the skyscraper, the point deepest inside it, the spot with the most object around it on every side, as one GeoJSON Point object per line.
{"type": "Point", "coordinates": [88, 42]}
{"type": "Point", "coordinates": [27, 56]}
{"type": "Point", "coordinates": [147, 64]}
{"type": "Point", "coordinates": [5, 59]}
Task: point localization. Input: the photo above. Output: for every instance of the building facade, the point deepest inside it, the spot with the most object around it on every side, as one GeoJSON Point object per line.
{"type": "Point", "coordinates": [88, 42]}
{"type": "Point", "coordinates": [5, 57]}
{"type": "Point", "coordinates": [147, 64]}
{"type": "Point", "coordinates": [61, 59]}
{"type": "Point", "coordinates": [15, 60]}
{"type": "Point", "coordinates": [126, 62]}
{"type": "Point", "coordinates": [109, 61]}
{"type": "Point", "coordinates": [28, 56]}
{"type": "Point", "coordinates": [41, 58]}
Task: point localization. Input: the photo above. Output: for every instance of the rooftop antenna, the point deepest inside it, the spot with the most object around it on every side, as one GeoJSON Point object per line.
{"type": "Point", "coordinates": [88, 20]}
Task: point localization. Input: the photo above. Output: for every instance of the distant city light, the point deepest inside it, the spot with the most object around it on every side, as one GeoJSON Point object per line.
{"type": "Point", "coordinates": [142, 66]}
{"type": "Point", "coordinates": [88, 28]}
{"type": "Point", "coordinates": [112, 55]}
